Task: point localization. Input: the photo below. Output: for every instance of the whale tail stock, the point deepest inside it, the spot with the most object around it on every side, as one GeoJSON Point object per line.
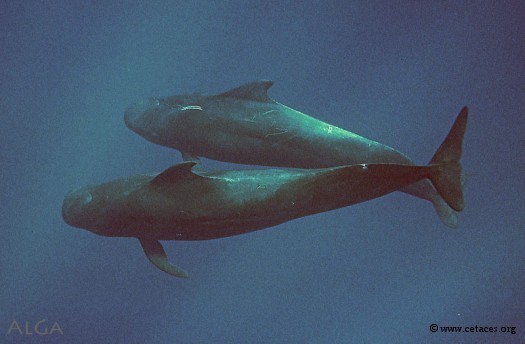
{"type": "Point", "coordinates": [446, 176]}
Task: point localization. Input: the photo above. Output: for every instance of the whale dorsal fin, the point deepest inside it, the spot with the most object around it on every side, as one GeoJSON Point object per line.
{"type": "Point", "coordinates": [257, 90]}
{"type": "Point", "coordinates": [175, 174]}
{"type": "Point", "coordinates": [193, 158]}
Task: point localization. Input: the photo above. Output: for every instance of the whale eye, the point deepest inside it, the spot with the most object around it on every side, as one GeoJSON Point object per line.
{"type": "Point", "coordinates": [74, 204]}
{"type": "Point", "coordinates": [80, 197]}
{"type": "Point", "coordinates": [88, 197]}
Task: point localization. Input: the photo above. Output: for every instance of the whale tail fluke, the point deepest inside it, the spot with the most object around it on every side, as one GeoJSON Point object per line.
{"type": "Point", "coordinates": [448, 179]}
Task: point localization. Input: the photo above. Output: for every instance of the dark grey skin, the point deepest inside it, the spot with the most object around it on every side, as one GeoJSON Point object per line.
{"type": "Point", "coordinates": [245, 126]}
{"type": "Point", "coordinates": [179, 204]}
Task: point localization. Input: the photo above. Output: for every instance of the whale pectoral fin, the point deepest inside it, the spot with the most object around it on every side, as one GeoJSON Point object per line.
{"type": "Point", "coordinates": [156, 255]}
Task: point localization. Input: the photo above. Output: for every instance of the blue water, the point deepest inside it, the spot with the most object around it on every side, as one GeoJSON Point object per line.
{"type": "Point", "coordinates": [382, 271]}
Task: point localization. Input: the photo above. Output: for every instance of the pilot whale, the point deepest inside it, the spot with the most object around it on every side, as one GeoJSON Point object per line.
{"type": "Point", "coordinates": [244, 125]}
{"type": "Point", "coordinates": [180, 204]}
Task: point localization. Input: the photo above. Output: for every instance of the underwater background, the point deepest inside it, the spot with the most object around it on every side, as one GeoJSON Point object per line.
{"type": "Point", "coordinates": [383, 271]}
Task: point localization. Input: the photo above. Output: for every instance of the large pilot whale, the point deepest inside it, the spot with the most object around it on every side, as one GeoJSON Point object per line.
{"type": "Point", "coordinates": [180, 204]}
{"type": "Point", "coordinates": [244, 125]}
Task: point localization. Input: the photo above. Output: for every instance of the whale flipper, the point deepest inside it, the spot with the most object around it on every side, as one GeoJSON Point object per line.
{"type": "Point", "coordinates": [157, 256]}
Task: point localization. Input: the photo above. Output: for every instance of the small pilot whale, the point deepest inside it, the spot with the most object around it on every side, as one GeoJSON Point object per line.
{"type": "Point", "coordinates": [244, 125]}
{"type": "Point", "coordinates": [179, 204]}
